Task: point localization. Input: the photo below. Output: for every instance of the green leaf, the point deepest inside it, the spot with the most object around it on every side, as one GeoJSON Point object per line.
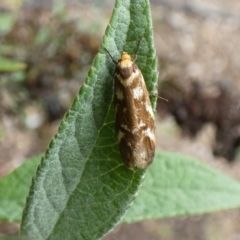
{"type": "Point", "coordinates": [7, 65]}
{"type": "Point", "coordinates": [82, 188]}
{"type": "Point", "coordinates": [14, 238]}
{"type": "Point", "coordinates": [7, 21]}
{"type": "Point", "coordinates": [174, 185]}
{"type": "Point", "coordinates": [7, 49]}
{"type": "Point", "coordinates": [177, 185]}
{"type": "Point", "coordinates": [14, 189]}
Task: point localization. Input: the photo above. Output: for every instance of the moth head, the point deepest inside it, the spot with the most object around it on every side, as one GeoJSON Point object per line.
{"type": "Point", "coordinates": [125, 57]}
{"type": "Point", "coordinates": [125, 61]}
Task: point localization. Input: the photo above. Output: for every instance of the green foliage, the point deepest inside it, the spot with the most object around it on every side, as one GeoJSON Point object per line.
{"type": "Point", "coordinates": [178, 185]}
{"type": "Point", "coordinates": [14, 189]}
{"type": "Point", "coordinates": [7, 65]}
{"type": "Point", "coordinates": [7, 20]}
{"type": "Point", "coordinates": [174, 185]}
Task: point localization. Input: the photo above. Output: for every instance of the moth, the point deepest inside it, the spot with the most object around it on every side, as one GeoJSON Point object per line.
{"type": "Point", "coordinates": [134, 120]}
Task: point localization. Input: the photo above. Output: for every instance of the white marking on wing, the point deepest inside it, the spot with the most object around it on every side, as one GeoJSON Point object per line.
{"type": "Point", "coordinates": [120, 136]}
{"type": "Point", "coordinates": [137, 92]}
{"type": "Point", "coordinates": [149, 109]}
{"type": "Point", "coordinates": [141, 124]}
{"type": "Point", "coordinates": [119, 94]}
{"type": "Point", "coordinates": [135, 130]}
{"type": "Point", "coordinates": [125, 127]}
{"type": "Point", "coordinates": [148, 133]}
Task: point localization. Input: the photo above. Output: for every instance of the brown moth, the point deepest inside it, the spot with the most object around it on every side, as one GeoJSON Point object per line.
{"type": "Point", "coordinates": [134, 122]}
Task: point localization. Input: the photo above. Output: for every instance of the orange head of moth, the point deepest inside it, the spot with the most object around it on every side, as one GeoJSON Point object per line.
{"type": "Point", "coordinates": [125, 65]}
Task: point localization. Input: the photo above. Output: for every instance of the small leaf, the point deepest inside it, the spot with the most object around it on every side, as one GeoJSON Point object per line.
{"type": "Point", "coordinates": [14, 189]}
{"type": "Point", "coordinates": [7, 65]}
{"type": "Point", "coordinates": [82, 188]}
{"type": "Point", "coordinates": [14, 238]}
{"type": "Point", "coordinates": [7, 21]}
{"type": "Point", "coordinates": [177, 185]}
{"type": "Point", "coordinates": [7, 49]}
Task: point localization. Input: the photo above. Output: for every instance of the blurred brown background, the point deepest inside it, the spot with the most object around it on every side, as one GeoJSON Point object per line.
{"type": "Point", "coordinates": [197, 45]}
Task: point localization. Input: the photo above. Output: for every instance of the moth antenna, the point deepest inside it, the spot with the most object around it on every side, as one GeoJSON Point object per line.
{"type": "Point", "coordinates": [135, 57]}
{"type": "Point", "coordinates": [155, 95]}
{"type": "Point", "coordinates": [162, 98]}
{"type": "Point", "coordinates": [111, 56]}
